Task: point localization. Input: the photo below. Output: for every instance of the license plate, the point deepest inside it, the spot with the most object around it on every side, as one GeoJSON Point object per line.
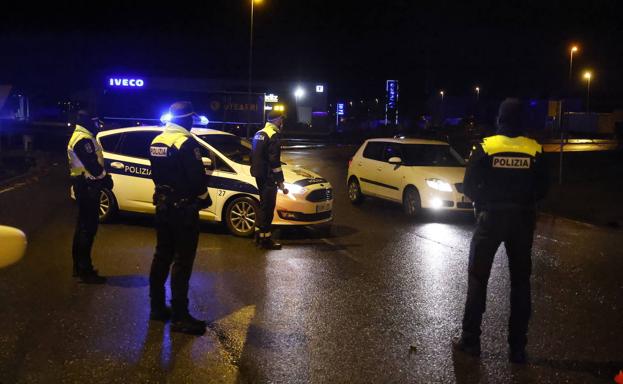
{"type": "Point", "coordinates": [323, 207]}
{"type": "Point", "coordinates": [465, 199]}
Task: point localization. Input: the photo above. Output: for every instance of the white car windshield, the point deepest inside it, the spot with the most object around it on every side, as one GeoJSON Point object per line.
{"type": "Point", "coordinates": [424, 155]}
{"type": "Point", "coordinates": [233, 147]}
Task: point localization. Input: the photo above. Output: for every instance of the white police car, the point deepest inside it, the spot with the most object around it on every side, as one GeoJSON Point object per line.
{"type": "Point", "coordinates": [232, 188]}
{"type": "Point", "coordinates": [417, 173]}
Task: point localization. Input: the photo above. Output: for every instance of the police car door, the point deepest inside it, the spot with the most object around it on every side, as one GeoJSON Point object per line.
{"type": "Point", "coordinates": [131, 171]}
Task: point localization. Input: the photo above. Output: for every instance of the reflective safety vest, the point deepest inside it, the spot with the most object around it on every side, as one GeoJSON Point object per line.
{"type": "Point", "coordinates": [75, 165]}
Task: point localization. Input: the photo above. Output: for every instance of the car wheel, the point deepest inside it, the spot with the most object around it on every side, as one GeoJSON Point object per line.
{"type": "Point", "coordinates": [108, 206]}
{"type": "Point", "coordinates": [354, 191]}
{"type": "Point", "coordinates": [241, 215]}
{"type": "Point", "coordinates": [411, 202]}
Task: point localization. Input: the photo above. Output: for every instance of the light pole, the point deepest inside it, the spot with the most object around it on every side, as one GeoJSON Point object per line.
{"type": "Point", "coordinates": [573, 50]}
{"type": "Point", "coordinates": [251, 62]}
{"type": "Point", "coordinates": [441, 93]}
{"type": "Point", "coordinates": [477, 93]}
{"type": "Point", "coordinates": [588, 75]}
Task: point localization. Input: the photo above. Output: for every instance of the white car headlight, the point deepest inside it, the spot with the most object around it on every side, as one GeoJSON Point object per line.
{"type": "Point", "coordinates": [439, 185]}
{"type": "Point", "coordinates": [294, 188]}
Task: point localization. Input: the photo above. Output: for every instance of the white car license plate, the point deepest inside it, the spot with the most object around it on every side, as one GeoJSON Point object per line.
{"type": "Point", "coordinates": [323, 207]}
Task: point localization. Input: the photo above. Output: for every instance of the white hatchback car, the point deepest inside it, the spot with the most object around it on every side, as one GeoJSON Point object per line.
{"type": "Point", "coordinates": [416, 173]}
{"type": "Point", "coordinates": [232, 189]}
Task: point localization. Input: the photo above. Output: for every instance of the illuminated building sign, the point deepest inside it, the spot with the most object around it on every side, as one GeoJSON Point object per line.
{"type": "Point", "coordinates": [271, 98]}
{"type": "Point", "coordinates": [340, 109]}
{"type": "Point", "coordinates": [392, 94]}
{"type": "Point", "coordinates": [123, 82]}
{"type": "Point", "coordinates": [319, 88]}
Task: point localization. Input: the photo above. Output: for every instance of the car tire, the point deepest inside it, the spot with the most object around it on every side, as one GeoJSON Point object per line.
{"type": "Point", "coordinates": [411, 203]}
{"type": "Point", "coordinates": [241, 216]}
{"type": "Point", "coordinates": [354, 191]}
{"type": "Point", "coordinates": [108, 206]}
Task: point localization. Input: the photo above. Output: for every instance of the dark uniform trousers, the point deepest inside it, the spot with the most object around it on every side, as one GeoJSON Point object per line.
{"type": "Point", "coordinates": [87, 195]}
{"type": "Point", "coordinates": [268, 199]}
{"type": "Point", "coordinates": [514, 227]}
{"type": "Point", "coordinates": [177, 231]}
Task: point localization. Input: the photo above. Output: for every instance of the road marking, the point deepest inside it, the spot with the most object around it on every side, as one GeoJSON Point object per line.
{"type": "Point", "coordinates": [16, 186]}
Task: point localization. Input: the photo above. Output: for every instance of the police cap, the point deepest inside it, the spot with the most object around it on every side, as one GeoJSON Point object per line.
{"type": "Point", "coordinates": [181, 109]}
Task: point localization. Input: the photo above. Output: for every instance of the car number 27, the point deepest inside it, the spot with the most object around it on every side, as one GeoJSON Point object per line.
{"type": "Point", "coordinates": [221, 192]}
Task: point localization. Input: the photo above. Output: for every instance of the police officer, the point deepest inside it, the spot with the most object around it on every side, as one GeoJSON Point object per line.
{"type": "Point", "coordinates": [505, 177]}
{"type": "Point", "coordinates": [88, 177]}
{"type": "Point", "coordinates": [181, 190]}
{"type": "Point", "coordinates": [266, 168]}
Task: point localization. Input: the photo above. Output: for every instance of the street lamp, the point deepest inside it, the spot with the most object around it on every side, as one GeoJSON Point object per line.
{"type": "Point", "coordinates": [477, 93]}
{"type": "Point", "coordinates": [588, 76]}
{"type": "Point", "coordinates": [573, 50]}
{"type": "Point", "coordinates": [441, 93]}
{"type": "Point", "coordinates": [299, 93]}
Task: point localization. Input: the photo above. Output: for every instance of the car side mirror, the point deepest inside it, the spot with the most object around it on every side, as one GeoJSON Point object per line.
{"type": "Point", "coordinates": [395, 160]}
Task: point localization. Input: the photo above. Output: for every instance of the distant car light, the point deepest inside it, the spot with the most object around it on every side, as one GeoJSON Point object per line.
{"type": "Point", "coordinates": [439, 185]}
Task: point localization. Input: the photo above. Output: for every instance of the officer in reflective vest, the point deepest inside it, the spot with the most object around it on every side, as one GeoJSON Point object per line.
{"type": "Point", "coordinates": [181, 190]}
{"type": "Point", "coordinates": [88, 178]}
{"type": "Point", "coordinates": [266, 168]}
{"type": "Point", "coordinates": [505, 177]}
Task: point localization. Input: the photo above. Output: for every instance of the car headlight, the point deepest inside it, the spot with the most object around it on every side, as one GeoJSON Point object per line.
{"type": "Point", "coordinates": [439, 185]}
{"type": "Point", "coordinates": [294, 189]}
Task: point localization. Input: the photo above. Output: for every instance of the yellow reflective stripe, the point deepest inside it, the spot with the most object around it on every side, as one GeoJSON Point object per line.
{"type": "Point", "coordinates": [270, 130]}
{"type": "Point", "coordinates": [501, 144]}
{"type": "Point", "coordinates": [175, 139]}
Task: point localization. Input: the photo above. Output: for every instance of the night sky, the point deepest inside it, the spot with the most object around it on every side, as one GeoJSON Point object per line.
{"type": "Point", "coordinates": [518, 48]}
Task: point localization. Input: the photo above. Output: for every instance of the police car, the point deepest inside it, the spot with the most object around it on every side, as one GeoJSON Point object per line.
{"type": "Point", "coordinates": [419, 174]}
{"type": "Point", "coordinates": [232, 189]}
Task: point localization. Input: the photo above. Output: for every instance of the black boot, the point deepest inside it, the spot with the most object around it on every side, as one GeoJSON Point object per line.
{"type": "Point", "coordinates": [268, 243]}
{"type": "Point", "coordinates": [471, 348]}
{"type": "Point", "coordinates": [188, 324]}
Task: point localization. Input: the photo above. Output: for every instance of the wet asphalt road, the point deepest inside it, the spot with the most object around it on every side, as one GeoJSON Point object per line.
{"type": "Point", "coordinates": [377, 301]}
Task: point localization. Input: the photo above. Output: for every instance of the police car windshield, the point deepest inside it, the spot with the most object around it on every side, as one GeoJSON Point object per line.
{"type": "Point", "coordinates": [233, 147]}
{"type": "Point", "coordinates": [430, 156]}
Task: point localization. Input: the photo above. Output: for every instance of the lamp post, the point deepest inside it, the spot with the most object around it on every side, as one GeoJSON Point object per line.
{"type": "Point", "coordinates": [573, 50]}
{"type": "Point", "coordinates": [588, 76]}
{"type": "Point", "coordinates": [477, 93]}
{"type": "Point", "coordinates": [251, 59]}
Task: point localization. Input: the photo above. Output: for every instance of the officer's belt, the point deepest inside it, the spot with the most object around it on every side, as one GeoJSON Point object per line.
{"type": "Point", "coordinates": [171, 198]}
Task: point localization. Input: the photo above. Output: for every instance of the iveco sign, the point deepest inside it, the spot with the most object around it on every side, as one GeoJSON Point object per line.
{"type": "Point", "coordinates": [125, 82]}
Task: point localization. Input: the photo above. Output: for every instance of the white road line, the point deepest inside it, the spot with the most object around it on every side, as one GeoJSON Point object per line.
{"type": "Point", "coordinates": [16, 186]}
